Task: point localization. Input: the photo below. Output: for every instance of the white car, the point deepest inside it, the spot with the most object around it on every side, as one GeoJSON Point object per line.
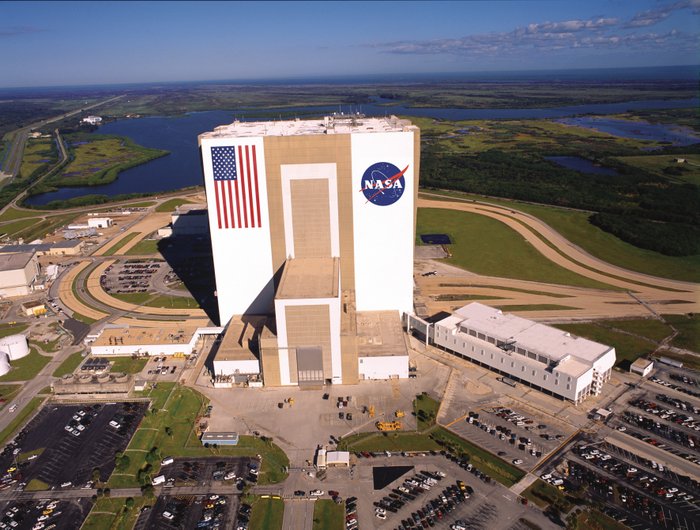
{"type": "Point", "coordinates": [380, 510]}
{"type": "Point", "coordinates": [517, 461]}
{"type": "Point", "coordinates": [316, 493]}
{"type": "Point", "coordinates": [381, 516]}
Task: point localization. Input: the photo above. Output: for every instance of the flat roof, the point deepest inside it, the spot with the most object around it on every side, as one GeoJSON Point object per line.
{"type": "Point", "coordinates": [537, 338]}
{"type": "Point", "coordinates": [15, 260]}
{"type": "Point", "coordinates": [39, 247]}
{"type": "Point", "coordinates": [380, 334]}
{"type": "Point", "coordinates": [220, 436]}
{"type": "Point", "coordinates": [309, 278]}
{"type": "Point", "coordinates": [239, 342]}
{"type": "Point", "coordinates": [132, 336]}
{"type": "Point", "coordinates": [642, 363]}
{"type": "Point", "coordinates": [335, 124]}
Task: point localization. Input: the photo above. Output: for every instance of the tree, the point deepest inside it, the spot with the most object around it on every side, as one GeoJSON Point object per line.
{"type": "Point", "coordinates": [129, 503]}
{"type": "Point", "coordinates": [168, 431]}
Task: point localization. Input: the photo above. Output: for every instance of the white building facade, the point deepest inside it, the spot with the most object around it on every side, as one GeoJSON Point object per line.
{"type": "Point", "coordinates": [546, 358]}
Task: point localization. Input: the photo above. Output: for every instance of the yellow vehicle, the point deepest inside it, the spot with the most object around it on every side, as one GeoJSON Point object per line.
{"type": "Point", "coordinates": [388, 425]}
{"type": "Point", "coordinates": [399, 413]}
{"type": "Point", "coordinates": [291, 401]}
{"type": "Point", "coordinates": [371, 411]}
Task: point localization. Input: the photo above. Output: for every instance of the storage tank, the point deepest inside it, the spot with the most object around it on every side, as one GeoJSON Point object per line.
{"type": "Point", "coordinates": [4, 364]}
{"type": "Point", "coordinates": [15, 346]}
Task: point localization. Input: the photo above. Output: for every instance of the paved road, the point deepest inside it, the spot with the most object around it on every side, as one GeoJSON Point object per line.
{"type": "Point", "coordinates": [641, 295]}
{"type": "Point", "coordinates": [13, 160]}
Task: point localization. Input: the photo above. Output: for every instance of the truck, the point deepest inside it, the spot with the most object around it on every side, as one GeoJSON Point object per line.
{"type": "Point", "coordinates": [160, 479]}
{"type": "Point", "coordinates": [388, 425]}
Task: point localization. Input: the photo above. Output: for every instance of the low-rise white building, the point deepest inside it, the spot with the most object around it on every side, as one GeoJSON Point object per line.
{"type": "Point", "coordinates": [92, 120]}
{"type": "Point", "coordinates": [100, 222]}
{"type": "Point", "coordinates": [642, 367]}
{"type": "Point", "coordinates": [165, 340]}
{"type": "Point", "coordinates": [238, 353]}
{"type": "Point", "coordinates": [544, 357]}
{"type": "Point", "coordinates": [382, 352]}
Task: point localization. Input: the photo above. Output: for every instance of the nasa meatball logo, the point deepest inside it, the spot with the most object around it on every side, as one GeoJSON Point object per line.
{"type": "Point", "coordinates": [383, 183]}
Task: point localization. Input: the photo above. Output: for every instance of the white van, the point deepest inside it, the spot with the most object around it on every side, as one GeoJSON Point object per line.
{"type": "Point", "coordinates": [167, 461]}
{"type": "Point", "coordinates": [160, 479]}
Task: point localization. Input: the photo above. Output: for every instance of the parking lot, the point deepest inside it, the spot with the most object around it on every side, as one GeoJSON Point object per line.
{"type": "Point", "coordinates": [64, 444]}
{"type": "Point", "coordinates": [133, 276]}
{"type": "Point", "coordinates": [490, 506]}
{"type": "Point", "coordinates": [59, 515]}
{"type": "Point", "coordinates": [189, 512]}
{"type": "Point", "coordinates": [633, 490]}
{"type": "Point", "coordinates": [203, 471]}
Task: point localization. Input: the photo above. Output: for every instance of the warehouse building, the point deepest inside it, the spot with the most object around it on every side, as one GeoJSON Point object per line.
{"type": "Point", "coordinates": [18, 273]}
{"type": "Point", "coordinates": [543, 357]}
{"type": "Point", "coordinates": [312, 225]}
{"type": "Point", "coordinates": [169, 339]}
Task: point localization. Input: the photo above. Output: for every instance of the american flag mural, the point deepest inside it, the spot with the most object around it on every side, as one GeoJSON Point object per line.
{"type": "Point", "coordinates": [236, 186]}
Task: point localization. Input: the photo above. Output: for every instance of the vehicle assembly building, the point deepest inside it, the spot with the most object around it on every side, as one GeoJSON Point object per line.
{"type": "Point", "coordinates": [312, 225]}
{"type": "Point", "coordinates": [544, 357]}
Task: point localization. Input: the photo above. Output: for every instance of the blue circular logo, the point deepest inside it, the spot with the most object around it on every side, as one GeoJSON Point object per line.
{"type": "Point", "coordinates": [383, 183]}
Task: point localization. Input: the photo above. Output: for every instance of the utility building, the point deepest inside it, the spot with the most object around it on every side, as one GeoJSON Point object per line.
{"type": "Point", "coordinates": [312, 225]}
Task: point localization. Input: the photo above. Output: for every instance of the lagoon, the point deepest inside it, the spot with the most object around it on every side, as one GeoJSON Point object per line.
{"type": "Point", "coordinates": [582, 164]}
{"type": "Point", "coordinates": [178, 135]}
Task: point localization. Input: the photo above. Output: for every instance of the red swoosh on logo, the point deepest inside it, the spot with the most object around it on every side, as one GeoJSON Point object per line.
{"type": "Point", "coordinates": [391, 180]}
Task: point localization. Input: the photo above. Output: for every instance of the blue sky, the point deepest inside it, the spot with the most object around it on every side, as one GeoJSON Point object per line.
{"type": "Point", "coordinates": [69, 43]}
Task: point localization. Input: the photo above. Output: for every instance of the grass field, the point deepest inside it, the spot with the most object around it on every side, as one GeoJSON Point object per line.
{"type": "Point", "coordinates": [170, 205]}
{"type": "Point", "coordinates": [99, 159]}
{"type": "Point", "coordinates": [127, 364]}
{"type": "Point", "coordinates": [83, 318]}
{"type": "Point", "coordinates": [486, 246]}
{"type": "Point", "coordinates": [26, 368]}
{"type": "Point", "coordinates": [12, 214]}
{"type": "Point", "coordinates": [36, 485]}
{"type": "Point", "coordinates": [574, 226]}
{"type": "Point", "coordinates": [121, 243]}
{"type": "Point", "coordinates": [543, 495]}
{"type": "Point", "coordinates": [69, 365]}
{"type": "Point", "coordinates": [8, 392]}
{"type": "Point", "coordinates": [592, 519]}
{"type": "Point", "coordinates": [435, 439]}
{"type": "Point", "coordinates": [178, 407]}
{"type": "Point", "coordinates": [426, 409]}
{"type": "Point", "coordinates": [666, 166]}
{"type": "Point", "coordinates": [688, 331]}
{"type": "Point", "coordinates": [11, 329]}
{"type": "Point", "coordinates": [158, 300]}
{"type": "Point", "coordinates": [38, 153]}
{"type": "Point", "coordinates": [112, 514]}
{"type": "Point", "coordinates": [19, 418]}
{"type": "Point", "coordinates": [146, 246]}
{"type": "Point", "coordinates": [328, 515]}
{"type": "Point", "coordinates": [267, 513]}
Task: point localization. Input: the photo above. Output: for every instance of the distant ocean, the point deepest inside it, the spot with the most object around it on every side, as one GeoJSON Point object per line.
{"type": "Point", "coordinates": [660, 73]}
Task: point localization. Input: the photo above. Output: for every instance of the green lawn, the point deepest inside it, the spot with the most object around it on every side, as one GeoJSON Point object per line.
{"type": "Point", "coordinates": [11, 329]}
{"type": "Point", "coordinates": [146, 246]}
{"type": "Point", "coordinates": [37, 485]}
{"type": "Point", "coordinates": [19, 418]}
{"type": "Point", "coordinates": [122, 242]}
{"type": "Point", "coordinates": [666, 166]}
{"type": "Point", "coordinates": [574, 226]}
{"type": "Point", "coordinates": [497, 468]}
{"type": "Point", "coordinates": [38, 153]}
{"type": "Point", "coordinates": [646, 327]}
{"type": "Point", "coordinates": [426, 409]}
{"type": "Point", "coordinates": [15, 227]}
{"type": "Point", "coordinates": [69, 365]}
{"type": "Point", "coordinates": [8, 392]}
{"type": "Point", "coordinates": [127, 364]}
{"type": "Point", "coordinates": [627, 347]}
{"type": "Point", "coordinates": [688, 331]}
{"type": "Point", "coordinates": [543, 495]}
{"type": "Point", "coordinates": [435, 439]}
{"type": "Point", "coordinates": [26, 368]}
{"type": "Point", "coordinates": [111, 514]}
{"type": "Point", "coordinates": [12, 214]}
{"type": "Point", "coordinates": [158, 300]}
{"type": "Point", "coordinates": [83, 318]}
{"type": "Point", "coordinates": [487, 246]}
{"type": "Point", "coordinates": [328, 515]}
{"type": "Point", "coordinates": [592, 519]}
{"type": "Point", "coordinates": [177, 408]}
{"type": "Point", "coordinates": [267, 514]}
{"type": "Point", "coordinates": [169, 206]}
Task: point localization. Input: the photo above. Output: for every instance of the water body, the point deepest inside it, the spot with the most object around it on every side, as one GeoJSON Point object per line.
{"type": "Point", "coordinates": [638, 130]}
{"type": "Point", "coordinates": [582, 164]}
{"type": "Point", "coordinates": [182, 168]}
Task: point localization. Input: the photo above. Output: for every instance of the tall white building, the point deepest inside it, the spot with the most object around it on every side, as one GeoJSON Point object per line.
{"type": "Point", "coordinates": [544, 357]}
{"type": "Point", "coordinates": [313, 225]}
